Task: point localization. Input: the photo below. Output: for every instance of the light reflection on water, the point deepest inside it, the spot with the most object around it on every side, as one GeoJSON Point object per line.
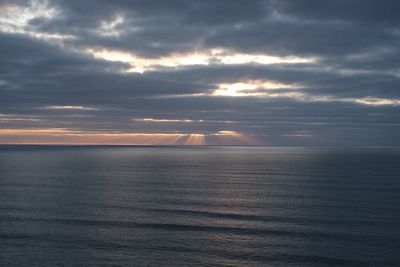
{"type": "Point", "coordinates": [198, 205]}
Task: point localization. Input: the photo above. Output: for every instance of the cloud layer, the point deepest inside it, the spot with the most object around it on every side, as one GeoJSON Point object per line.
{"type": "Point", "coordinates": [271, 72]}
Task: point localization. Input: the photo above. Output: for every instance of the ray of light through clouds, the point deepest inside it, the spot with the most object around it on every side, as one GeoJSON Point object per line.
{"type": "Point", "coordinates": [200, 72]}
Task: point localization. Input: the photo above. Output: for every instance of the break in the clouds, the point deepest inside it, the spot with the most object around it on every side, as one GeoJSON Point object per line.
{"type": "Point", "coordinates": [301, 72]}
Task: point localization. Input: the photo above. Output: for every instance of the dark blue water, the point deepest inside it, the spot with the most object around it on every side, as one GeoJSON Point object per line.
{"type": "Point", "coordinates": [205, 206]}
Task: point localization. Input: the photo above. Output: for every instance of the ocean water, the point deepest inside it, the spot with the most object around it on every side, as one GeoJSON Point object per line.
{"type": "Point", "coordinates": [199, 206]}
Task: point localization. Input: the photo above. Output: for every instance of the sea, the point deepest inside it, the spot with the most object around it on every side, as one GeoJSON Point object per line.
{"type": "Point", "coordinates": [199, 206]}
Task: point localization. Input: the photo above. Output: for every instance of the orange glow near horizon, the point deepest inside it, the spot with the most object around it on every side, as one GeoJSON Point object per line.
{"type": "Point", "coordinates": [195, 140]}
{"type": "Point", "coordinates": [67, 136]}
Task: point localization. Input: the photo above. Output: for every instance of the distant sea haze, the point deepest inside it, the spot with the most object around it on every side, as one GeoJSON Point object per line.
{"type": "Point", "coordinates": [199, 206]}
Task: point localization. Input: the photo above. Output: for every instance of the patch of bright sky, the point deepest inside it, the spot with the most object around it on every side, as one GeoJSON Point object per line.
{"type": "Point", "coordinates": [377, 101]}
{"type": "Point", "coordinates": [15, 18]}
{"type": "Point", "coordinates": [206, 57]}
{"type": "Point", "coordinates": [6, 118]}
{"type": "Point", "coordinates": [370, 101]}
{"type": "Point", "coordinates": [71, 107]}
{"type": "Point", "coordinates": [110, 27]}
{"type": "Point", "coordinates": [252, 88]}
{"type": "Point", "coordinates": [166, 120]}
{"type": "Point", "coordinates": [223, 133]}
{"type": "Point", "coordinates": [273, 89]}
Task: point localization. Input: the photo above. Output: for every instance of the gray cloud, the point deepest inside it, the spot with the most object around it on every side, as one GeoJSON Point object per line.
{"type": "Point", "coordinates": [359, 11]}
{"type": "Point", "coordinates": [356, 59]}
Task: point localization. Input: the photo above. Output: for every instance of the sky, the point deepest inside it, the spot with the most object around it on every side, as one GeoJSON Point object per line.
{"type": "Point", "coordinates": [191, 72]}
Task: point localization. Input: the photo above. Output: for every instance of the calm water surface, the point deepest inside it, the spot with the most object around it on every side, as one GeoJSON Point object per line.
{"type": "Point", "coordinates": [202, 206]}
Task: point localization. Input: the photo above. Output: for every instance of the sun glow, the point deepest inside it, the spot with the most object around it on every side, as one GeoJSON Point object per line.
{"type": "Point", "coordinates": [280, 90]}
{"type": "Point", "coordinates": [227, 133]}
{"type": "Point", "coordinates": [253, 88]}
{"type": "Point", "coordinates": [195, 139]}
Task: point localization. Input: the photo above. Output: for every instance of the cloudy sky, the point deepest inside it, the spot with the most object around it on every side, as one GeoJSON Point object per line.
{"type": "Point", "coordinates": [271, 72]}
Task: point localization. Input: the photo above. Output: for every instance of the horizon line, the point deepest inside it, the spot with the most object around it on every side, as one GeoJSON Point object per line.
{"type": "Point", "coordinates": [185, 145]}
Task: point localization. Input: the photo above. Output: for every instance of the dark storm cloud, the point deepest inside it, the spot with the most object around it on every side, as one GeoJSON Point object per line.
{"type": "Point", "coordinates": [354, 43]}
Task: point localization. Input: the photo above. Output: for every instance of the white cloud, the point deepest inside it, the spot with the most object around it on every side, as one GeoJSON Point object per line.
{"type": "Point", "coordinates": [16, 18]}
{"type": "Point", "coordinates": [71, 107]}
{"type": "Point", "coordinates": [111, 27]}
